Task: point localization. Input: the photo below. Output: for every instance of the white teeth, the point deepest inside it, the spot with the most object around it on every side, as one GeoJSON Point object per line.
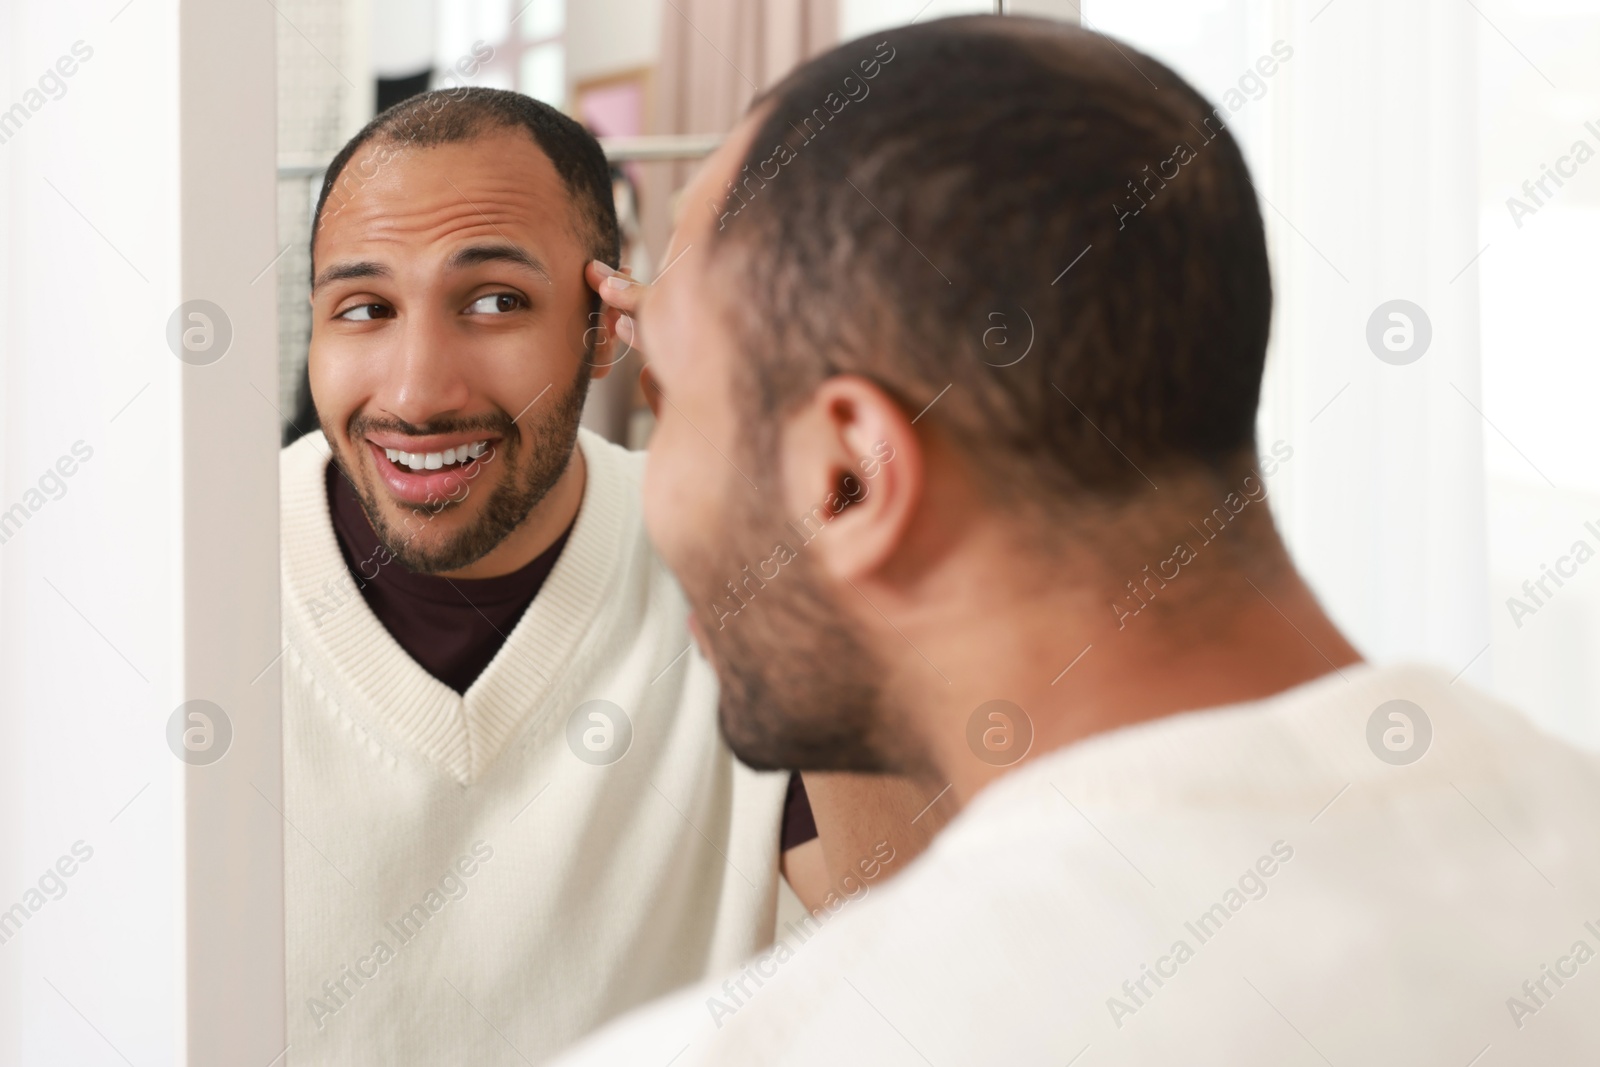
{"type": "Point", "coordinates": [435, 460]}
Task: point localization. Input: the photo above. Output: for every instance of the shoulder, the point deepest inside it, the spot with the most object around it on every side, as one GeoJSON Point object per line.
{"type": "Point", "coordinates": [309, 450]}
{"type": "Point", "coordinates": [303, 516]}
{"type": "Point", "coordinates": [314, 578]}
{"type": "Point", "coordinates": [613, 461]}
{"type": "Point", "coordinates": [612, 515]}
{"type": "Point", "coordinates": [301, 467]}
{"type": "Point", "coordinates": [1220, 810]}
{"type": "Point", "coordinates": [656, 1033]}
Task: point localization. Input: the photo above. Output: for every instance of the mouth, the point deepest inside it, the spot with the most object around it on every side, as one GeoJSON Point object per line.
{"type": "Point", "coordinates": [433, 461]}
{"type": "Point", "coordinates": [429, 471]}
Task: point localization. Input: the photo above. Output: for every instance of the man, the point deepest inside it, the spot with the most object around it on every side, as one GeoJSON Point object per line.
{"type": "Point", "coordinates": [511, 814]}
{"type": "Point", "coordinates": [1004, 332]}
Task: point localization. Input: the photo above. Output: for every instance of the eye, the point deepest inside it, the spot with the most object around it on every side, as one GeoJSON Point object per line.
{"type": "Point", "coordinates": [496, 304]}
{"type": "Point", "coordinates": [366, 313]}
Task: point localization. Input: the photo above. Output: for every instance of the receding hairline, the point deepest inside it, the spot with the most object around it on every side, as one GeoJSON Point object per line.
{"type": "Point", "coordinates": [490, 128]}
{"type": "Point", "coordinates": [468, 114]}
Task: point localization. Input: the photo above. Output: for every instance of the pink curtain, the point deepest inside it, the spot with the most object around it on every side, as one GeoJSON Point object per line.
{"type": "Point", "coordinates": [716, 56]}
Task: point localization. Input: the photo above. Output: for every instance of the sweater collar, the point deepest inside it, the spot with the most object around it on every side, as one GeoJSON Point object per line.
{"type": "Point", "coordinates": [344, 649]}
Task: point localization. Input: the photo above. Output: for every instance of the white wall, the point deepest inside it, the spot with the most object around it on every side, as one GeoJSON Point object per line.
{"type": "Point", "coordinates": [860, 17]}
{"type": "Point", "coordinates": [402, 37]}
{"type": "Point", "coordinates": [611, 35]}
{"type": "Point", "coordinates": [148, 577]}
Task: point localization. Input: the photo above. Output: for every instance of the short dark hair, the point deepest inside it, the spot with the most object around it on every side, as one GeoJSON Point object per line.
{"type": "Point", "coordinates": [450, 116]}
{"type": "Point", "coordinates": [896, 198]}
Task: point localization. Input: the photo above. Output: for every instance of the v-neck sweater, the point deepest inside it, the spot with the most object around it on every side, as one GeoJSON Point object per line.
{"type": "Point", "coordinates": [453, 627]}
{"type": "Point", "coordinates": [452, 858]}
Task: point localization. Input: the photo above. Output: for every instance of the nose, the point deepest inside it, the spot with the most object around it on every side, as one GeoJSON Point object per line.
{"type": "Point", "coordinates": [426, 378]}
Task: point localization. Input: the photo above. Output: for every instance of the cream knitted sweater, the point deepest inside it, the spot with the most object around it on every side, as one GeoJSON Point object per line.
{"type": "Point", "coordinates": [484, 878]}
{"type": "Point", "coordinates": [1378, 867]}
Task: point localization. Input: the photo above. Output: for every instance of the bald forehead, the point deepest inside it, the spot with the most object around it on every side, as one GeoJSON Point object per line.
{"type": "Point", "coordinates": [484, 188]}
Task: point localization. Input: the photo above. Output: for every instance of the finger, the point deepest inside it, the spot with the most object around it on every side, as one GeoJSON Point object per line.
{"type": "Point", "coordinates": [596, 273]}
{"type": "Point", "coordinates": [620, 329]}
{"type": "Point", "coordinates": [626, 332]}
{"type": "Point", "coordinates": [622, 293]}
{"type": "Point", "coordinates": [615, 287]}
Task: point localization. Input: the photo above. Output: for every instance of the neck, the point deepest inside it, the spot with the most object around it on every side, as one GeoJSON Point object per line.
{"type": "Point", "coordinates": [536, 533]}
{"type": "Point", "coordinates": [1077, 667]}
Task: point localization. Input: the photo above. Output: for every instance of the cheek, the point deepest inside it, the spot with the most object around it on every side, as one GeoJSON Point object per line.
{"type": "Point", "coordinates": [335, 387]}
{"type": "Point", "coordinates": [512, 368]}
{"type": "Point", "coordinates": [662, 499]}
{"type": "Point", "coordinates": [680, 497]}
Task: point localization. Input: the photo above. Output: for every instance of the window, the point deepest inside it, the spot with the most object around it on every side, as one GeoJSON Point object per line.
{"type": "Point", "coordinates": [514, 44]}
{"type": "Point", "coordinates": [542, 51]}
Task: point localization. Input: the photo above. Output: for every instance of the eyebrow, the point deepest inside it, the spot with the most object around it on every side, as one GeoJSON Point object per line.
{"type": "Point", "coordinates": [343, 271]}
{"type": "Point", "coordinates": [473, 255]}
{"type": "Point", "coordinates": [470, 256]}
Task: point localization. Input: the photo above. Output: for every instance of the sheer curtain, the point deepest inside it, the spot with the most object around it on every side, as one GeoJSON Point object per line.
{"type": "Point", "coordinates": [1361, 139]}
{"type": "Point", "coordinates": [1367, 172]}
{"type": "Point", "coordinates": [716, 55]}
{"type": "Point", "coordinates": [1384, 142]}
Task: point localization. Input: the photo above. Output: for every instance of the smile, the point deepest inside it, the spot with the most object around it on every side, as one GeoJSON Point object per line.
{"type": "Point", "coordinates": [433, 461]}
{"type": "Point", "coordinates": [427, 477]}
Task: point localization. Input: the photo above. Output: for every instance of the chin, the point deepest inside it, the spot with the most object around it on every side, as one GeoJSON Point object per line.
{"type": "Point", "coordinates": [449, 515]}
{"type": "Point", "coordinates": [757, 753]}
{"type": "Point", "coordinates": [771, 739]}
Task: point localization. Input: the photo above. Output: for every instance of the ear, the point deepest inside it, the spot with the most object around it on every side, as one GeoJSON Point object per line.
{"type": "Point", "coordinates": [651, 390]}
{"type": "Point", "coordinates": [853, 475]}
{"type": "Point", "coordinates": [608, 347]}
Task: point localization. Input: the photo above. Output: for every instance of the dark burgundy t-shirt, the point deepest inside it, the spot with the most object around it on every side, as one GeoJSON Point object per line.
{"type": "Point", "coordinates": [453, 627]}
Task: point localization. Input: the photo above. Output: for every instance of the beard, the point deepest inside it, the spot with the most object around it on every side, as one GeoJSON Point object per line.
{"type": "Point", "coordinates": [798, 687]}
{"type": "Point", "coordinates": [529, 476]}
